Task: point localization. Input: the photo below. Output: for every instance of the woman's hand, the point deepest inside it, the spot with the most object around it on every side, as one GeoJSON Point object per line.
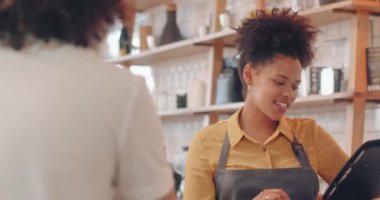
{"type": "Point", "coordinates": [272, 194]}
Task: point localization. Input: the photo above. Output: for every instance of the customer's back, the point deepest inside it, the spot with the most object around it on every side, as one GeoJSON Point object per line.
{"type": "Point", "coordinates": [65, 118]}
{"type": "Point", "coordinates": [74, 127]}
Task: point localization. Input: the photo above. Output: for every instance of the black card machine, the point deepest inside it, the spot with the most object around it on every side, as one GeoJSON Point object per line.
{"type": "Point", "coordinates": [359, 179]}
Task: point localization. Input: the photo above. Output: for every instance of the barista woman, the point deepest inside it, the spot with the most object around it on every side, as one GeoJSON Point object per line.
{"type": "Point", "coordinates": [259, 153]}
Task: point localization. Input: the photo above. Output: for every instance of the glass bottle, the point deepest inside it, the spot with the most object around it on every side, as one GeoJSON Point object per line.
{"type": "Point", "coordinates": [171, 31]}
{"type": "Point", "coordinates": [124, 44]}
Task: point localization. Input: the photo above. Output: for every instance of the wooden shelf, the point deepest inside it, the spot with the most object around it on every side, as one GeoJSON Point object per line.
{"type": "Point", "coordinates": [322, 99]}
{"type": "Point", "coordinates": [227, 36]}
{"type": "Point", "coordinates": [146, 4]}
{"type": "Point", "coordinates": [338, 11]}
{"type": "Point", "coordinates": [232, 107]}
{"type": "Point", "coordinates": [224, 108]}
{"type": "Point", "coordinates": [176, 113]}
{"type": "Point", "coordinates": [373, 96]}
{"type": "Point", "coordinates": [176, 49]}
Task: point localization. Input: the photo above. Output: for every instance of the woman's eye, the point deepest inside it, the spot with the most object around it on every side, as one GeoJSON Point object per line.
{"type": "Point", "coordinates": [279, 82]}
{"type": "Point", "coordinates": [295, 88]}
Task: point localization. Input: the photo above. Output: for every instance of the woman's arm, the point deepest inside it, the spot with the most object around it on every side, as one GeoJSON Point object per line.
{"type": "Point", "coordinates": [199, 183]}
{"type": "Point", "coordinates": [330, 155]}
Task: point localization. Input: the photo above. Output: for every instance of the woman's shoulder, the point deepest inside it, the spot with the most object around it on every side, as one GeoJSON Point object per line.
{"type": "Point", "coordinates": [304, 128]}
{"type": "Point", "coordinates": [299, 122]}
{"type": "Point", "coordinates": [212, 132]}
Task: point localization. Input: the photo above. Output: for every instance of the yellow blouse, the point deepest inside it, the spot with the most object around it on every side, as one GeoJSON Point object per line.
{"type": "Point", "coordinates": [325, 155]}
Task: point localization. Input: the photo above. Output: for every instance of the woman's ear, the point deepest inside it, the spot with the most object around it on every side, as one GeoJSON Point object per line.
{"type": "Point", "coordinates": [248, 74]}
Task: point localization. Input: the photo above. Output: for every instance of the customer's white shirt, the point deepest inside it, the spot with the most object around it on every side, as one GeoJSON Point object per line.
{"type": "Point", "coordinates": [72, 125]}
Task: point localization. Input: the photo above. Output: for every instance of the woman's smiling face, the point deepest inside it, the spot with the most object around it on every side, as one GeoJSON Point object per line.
{"type": "Point", "coordinates": [273, 85]}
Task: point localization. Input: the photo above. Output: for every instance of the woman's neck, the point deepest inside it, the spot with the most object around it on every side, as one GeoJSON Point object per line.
{"type": "Point", "coordinates": [256, 124]}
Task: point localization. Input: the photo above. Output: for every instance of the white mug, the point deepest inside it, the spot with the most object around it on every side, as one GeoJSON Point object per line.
{"type": "Point", "coordinates": [202, 30]}
{"type": "Point", "coordinates": [150, 41]}
{"type": "Point", "coordinates": [224, 20]}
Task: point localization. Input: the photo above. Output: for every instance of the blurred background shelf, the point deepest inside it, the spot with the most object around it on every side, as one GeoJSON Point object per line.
{"type": "Point", "coordinates": [339, 11]}
{"type": "Point", "coordinates": [373, 96]}
{"type": "Point", "coordinates": [177, 49]}
{"type": "Point", "coordinates": [322, 15]}
{"type": "Point", "coordinates": [232, 107]}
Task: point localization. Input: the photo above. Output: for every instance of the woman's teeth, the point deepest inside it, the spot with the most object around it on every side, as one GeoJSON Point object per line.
{"type": "Point", "coordinates": [283, 105]}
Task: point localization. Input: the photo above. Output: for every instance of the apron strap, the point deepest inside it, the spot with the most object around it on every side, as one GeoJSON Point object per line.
{"type": "Point", "coordinates": [224, 152]}
{"type": "Point", "coordinates": [300, 153]}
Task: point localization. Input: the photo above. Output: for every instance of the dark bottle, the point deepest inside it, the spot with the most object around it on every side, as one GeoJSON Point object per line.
{"type": "Point", "coordinates": [124, 44]}
{"type": "Point", "coordinates": [171, 31]}
{"type": "Point", "coordinates": [228, 88]}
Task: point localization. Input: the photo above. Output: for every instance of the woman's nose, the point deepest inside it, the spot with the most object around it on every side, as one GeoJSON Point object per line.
{"type": "Point", "coordinates": [290, 93]}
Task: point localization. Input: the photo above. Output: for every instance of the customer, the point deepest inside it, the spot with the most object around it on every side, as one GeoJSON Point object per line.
{"type": "Point", "coordinates": [71, 126]}
{"type": "Point", "coordinates": [258, 152]}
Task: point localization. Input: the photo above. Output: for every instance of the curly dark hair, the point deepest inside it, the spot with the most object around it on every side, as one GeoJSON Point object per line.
{"type": "Point", "coordinates": [80, 22]}
{"type": "Point", "coordinates": [266, 35]}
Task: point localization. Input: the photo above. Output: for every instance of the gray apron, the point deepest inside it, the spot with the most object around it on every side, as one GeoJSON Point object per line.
{"type": "Point", "coordinates": [300, 183]}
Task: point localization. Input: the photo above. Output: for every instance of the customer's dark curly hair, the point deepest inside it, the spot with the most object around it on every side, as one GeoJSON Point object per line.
{"type": "Point", "coordinates": [80, 22]}
{"type": "Point", "coordinates": [266, 35]}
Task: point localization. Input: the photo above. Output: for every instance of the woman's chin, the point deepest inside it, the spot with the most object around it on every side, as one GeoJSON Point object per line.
{"type": "Point", "coordinates": [277, 116]}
